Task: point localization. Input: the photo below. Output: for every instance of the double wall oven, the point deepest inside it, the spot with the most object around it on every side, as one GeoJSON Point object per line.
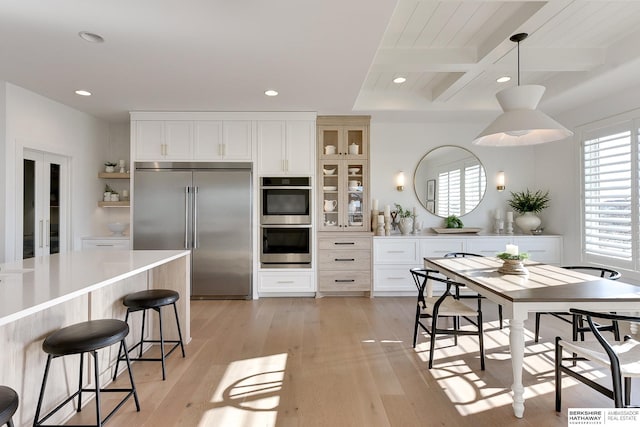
{"type": "Point", "coordinates": [285, 222]}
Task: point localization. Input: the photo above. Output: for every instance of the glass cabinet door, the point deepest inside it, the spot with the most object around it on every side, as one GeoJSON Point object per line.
{"type": "Point", "coordinates": [342, 142]}
{"type": "Point", "coordinates": [343, 196]}
{"type": "Point", "coordinates": [356, 200]}
{"type": "Point", "coordinates": [330, 203]}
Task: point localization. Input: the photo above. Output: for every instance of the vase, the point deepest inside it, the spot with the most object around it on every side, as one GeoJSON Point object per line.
{"type": "Point", "coordinates": [406, 225]}
{"type": "Point", "coordinates": [528, 221]}
{"type": "Point", "coordinates": [109, 169]}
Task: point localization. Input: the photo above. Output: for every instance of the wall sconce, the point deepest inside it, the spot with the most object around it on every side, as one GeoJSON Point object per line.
{"type": "Point", "coordinates": [500, 181]}
{"type": "Point", "coordinates": [400, 181]}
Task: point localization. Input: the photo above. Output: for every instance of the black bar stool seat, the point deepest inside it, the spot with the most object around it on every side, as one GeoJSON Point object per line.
{"type": "Point", "coordinates": [8, 405]}
{"type": "Point", "coordinates": [80, 338]}
{"type": "Point", "coordinates": [153, 299]}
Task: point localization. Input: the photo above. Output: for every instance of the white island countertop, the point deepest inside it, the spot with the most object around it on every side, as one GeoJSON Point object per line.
{"type": "Point", "coordinates": [34, 284]}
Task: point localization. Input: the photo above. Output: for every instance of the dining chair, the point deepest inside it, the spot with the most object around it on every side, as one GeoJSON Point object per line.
{"type": "Point", "coordinates": [576, 321]}
{"type": "Point", "coordinates": [445, 305]}
{"type": "Point", "coordinates": [465, 255]}
{"type": "Point", "coordinates": [621, 357]}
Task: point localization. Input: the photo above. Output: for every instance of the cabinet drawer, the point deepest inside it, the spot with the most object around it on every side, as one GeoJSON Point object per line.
{"type": "Point", "coordinates": [344, 260]}
{"type": "Point", "coordinates": [116, 244]}
{"type": "Point", "coordinates": [397, 251]}
{"type": "Point", "coordinates": [488, 246]}
{"type": "Point", "coordinates": [393, 279]}
{"type": "Point", "coordinates": [540, 248]}
{"type": "Point", "coordinates": [285, 282]}
{"type": "Point", "coordinates": [439, 247]}
{"type": "Point", "coordinates": [344, 281]}
{"type": "Point", "coordinates": [338, 243]}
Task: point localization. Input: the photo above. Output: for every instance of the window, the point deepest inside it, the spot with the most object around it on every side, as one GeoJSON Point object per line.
{"type": "Point", "coordinates": [460, 189]}
{"type": "Point", "coordinates": [449, 193]}
{"type": "Point", "coordinates": [610, 206]}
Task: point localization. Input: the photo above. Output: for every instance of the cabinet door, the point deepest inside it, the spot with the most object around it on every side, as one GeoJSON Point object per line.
{"type": "Point", "coordinates": [207, 141]}
{"type": "Point", "coordinates": [489, 246]}
{"type": "Point", "coordinates": [329, 142]}
{"type": "Point", "coordinates": [178, 140]}
{"type": "Point", "coordinates": [354, 143]}
{"type": "Point", "coordinates": [330, 203]}
{"type": "Point", "coordinates": [356, 201]}
{"type": "Point", "coordinates": [237, 140]}
{"type": "Point", "coordinates": [271, 146]}
{"type": "Point", "coordinates": [300, 147]}
{"type": "Point", "coordinates": [149, 139]}
{"type": "Point", "coordinates": [547, 249]}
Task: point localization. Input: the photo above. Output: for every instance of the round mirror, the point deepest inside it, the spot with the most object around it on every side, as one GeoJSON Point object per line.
{"type": "Point", "coordinates": [449, 180]}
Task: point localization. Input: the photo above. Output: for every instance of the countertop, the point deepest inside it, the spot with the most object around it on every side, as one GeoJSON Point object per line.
{"type": "Point", "coordinates": [34, 284]}
{"type": "Point", "coordinates": [430, 233]}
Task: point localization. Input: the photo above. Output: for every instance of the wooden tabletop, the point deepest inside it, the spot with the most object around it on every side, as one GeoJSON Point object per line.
{"type": "Point", "coordinates": [544, 283]}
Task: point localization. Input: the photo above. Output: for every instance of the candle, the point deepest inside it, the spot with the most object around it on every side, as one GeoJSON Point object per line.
{"type": "Point", "coordinates": [509, 216]}
{"type": "Point", "coordinates": [387, 210]}
{"type": "Point", "coordinates": [498, 214]}
{"type": "Point", "coordinates": [380, 219]}
{"type": "Point", "coordinates": [414, 211]}
{"type": "Point", "coordinates": [125, 194]}
{"type": "Point", "coordinates": [512, 250]}
{"type": "Point", "coordinates": [375, 204]}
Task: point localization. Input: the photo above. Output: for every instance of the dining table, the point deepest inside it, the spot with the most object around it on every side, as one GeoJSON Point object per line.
{"type": "Point", "coordinates": [543, 288]}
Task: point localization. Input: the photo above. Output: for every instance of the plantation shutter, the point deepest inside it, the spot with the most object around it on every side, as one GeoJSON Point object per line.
{"type": "Point", "coordinates": [607, 192]}
{"type": "Point", "coordinates": [449, 184]}
{"type": "Point", "coordinates": [474, 184]}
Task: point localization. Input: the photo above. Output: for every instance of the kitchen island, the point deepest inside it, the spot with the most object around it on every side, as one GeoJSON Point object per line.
{"type": "Point", "coordinates": [42, 294]}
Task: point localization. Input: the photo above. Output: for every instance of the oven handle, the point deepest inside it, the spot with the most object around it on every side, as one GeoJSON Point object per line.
{"type": "Point", "coordinates": [284, 187]}
{"type": "Point", "coordinates": [286, 226]}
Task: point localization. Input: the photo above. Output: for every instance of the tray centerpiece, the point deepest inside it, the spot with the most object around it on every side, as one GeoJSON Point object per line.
{"type": "Point", "coordinates": [512, 261]}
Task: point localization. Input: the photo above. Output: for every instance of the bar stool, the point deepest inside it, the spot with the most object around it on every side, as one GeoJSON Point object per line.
{"type": "Point", "coordinates": [81, 338]}
{"type": "Point", "coordinates": [153, 299]}
{"type": "Point", "coordinates": [8, 405]}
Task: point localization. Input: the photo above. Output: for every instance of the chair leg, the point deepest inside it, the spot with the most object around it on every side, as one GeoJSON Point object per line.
{"type": "Point", "coordinates": [558, 362]}
{"type": "Point", "coordinates": [36, 420]}
{"type": "Point", "coordinates": [96, 378]}
{"type": "Point", "coordinates": [500, 314]}
{"type": "Point", "coordinates": [115, 372]}
{"type": "Point", "coordinates": [144, 317]}
{"type": "Point", "coordinates": [432, 343]}
{"type": "Point", "coordinates": [79, 408]}
{"type": "Point", "coordinates": [481, 340]}
{"type": "Point", "coordinates": [175, 310]}
{"type": "Point", "coordinates": [537, 327]}
{"type": "Point", "coordinates": [415, 326]}
{"type": "Point", "coordinates": [161, 343]}
{"type": "Point", "coordinates": [10, 423]}
{"type": "Point", "coordinates": [133, 386]}
{"type": "Point", "coordinates": [616, 330]}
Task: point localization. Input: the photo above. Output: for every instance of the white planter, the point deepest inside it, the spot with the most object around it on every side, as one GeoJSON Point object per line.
{"type": "Point", "coordinates": [528, 221]}
{"type": "Point", "coordinates": [109, 169]}
{"type": "Point", "coordinates": [406, 225]}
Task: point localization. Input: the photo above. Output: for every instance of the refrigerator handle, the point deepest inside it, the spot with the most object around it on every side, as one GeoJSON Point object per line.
{"type": "Point", "coordinates": [195, 217]}
{"type": "Point", "coordinates": [186, 216]}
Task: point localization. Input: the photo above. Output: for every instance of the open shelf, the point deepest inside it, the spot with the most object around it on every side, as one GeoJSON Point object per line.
{"type": "Point", "coordinates": [114, 175]}
{"type": "Point", "coordinates": [121, 204]}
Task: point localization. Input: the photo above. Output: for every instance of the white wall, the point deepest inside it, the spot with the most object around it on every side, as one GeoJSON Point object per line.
{"type": "Point", "coordinates": [36, 122]}
{"type": "Point", "coordinates": [3, 167]}
{"type": "Point", "coordinates": [400, 146]}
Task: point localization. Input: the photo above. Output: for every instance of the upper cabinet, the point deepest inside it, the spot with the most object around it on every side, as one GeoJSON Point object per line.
{"type": "Point", "coordinates": [156, 139]}
{"type": "Point", "coordinates": [222, 140]}
{"type": "Point", "coordinates": [286, 147]}
{"type": "Point", "coordinates": [343, 137]}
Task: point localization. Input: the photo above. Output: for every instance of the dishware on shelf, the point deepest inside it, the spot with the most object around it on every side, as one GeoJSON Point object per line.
{"type": "Point", "coordinates": [117, 228]}
{"type": "Point", "coordinates": [357, 223]}
{"type": "Point", "coordinates": [353, 171]}
{"type": "Point", "coordinates": [354, 148]}
{"type": "Point", "coordinates": [354, 185]}
{"type": "Point", "coordinates": [330, 188]}
{"type": "Point", "coordinates": [329, 171]}
{"type": "Point", "coordinates": [330, 205]}
{"type": "Point", "coordinates": [329, 149]}
{"type": "Point", "coordinates": [330, 223]}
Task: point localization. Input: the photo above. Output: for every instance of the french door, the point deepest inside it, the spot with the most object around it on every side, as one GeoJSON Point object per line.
{"type": "Point", "coordinates": [44, 204]}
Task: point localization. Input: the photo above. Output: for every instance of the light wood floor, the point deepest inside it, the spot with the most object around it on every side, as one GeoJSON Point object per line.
{"type": "Point", "coordinates": [341, 362]}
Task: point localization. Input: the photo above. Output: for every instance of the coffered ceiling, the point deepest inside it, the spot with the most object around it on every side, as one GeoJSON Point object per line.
{"type": "Point", "coordinates": [330, 56]}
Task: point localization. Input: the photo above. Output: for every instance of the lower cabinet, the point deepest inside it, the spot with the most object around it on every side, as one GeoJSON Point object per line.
{"type": "Point", "coordinates": [344, 262]}
{"type": "Point", "coordinates": [102, 243]}
{"type": "Point", "coordinates": [285, 282]}
{"type": "Point", "coordinates": [394, 256]}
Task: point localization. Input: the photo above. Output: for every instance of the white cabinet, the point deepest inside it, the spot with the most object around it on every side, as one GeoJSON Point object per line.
{"type": "Point", "coordinates": [160, 140]}
{"type": "Point", "coordinates": [394, 256]}
{"type": "Point", "coordinates": [108, 243]}
{"type": "Point", "coordinates": [285, 282]}
{"type": "Point", "coordinates": [286, 147]}
{"type": "Point", "coordinates": [195, 140]}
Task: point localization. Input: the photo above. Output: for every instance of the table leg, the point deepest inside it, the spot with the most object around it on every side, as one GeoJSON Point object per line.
{"type": "Point", "coordinates": [516, 342]}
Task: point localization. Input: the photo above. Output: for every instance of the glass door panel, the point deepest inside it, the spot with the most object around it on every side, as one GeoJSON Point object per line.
{"type": "Point", "coordinates": [53, 240]}
{"type": "Point", "coordinates": [330, 201]}
{"type": "Point", "coordinates": [29, 209]}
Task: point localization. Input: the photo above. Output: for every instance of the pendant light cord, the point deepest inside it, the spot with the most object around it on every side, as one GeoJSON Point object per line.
{"type": "Point", "coordinates": [518, 62]}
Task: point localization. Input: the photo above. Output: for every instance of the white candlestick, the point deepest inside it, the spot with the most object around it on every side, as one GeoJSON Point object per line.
{"type": "Point", "coordinates": [414, 211]}
{"type": "Point", "coordinates": [512, 250]}
{"type": "Point", "coordinates": [375, 204]}
{"type": "Point", "coordinates": [387, 210]}
{"type": "Point", "coordinates": [498, 214]}
{"type": "Point", "coordinates": [509, 216]}
{"type": "Point", "coordinates": [380, 219]}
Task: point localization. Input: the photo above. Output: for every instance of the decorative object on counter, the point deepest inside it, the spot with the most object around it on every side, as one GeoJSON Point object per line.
{"type": "Point", "coordinates": [509, 229]}
{"type": "Point", "coordinates": [414, 226]}
{"type": "Point", "coordinates": [538, 231]}
{"type": "Point", "coordinates": [528, 204]}
{"type": "Point", "coordinates": [512, 261]}
{"type": "Point", "coordinates": [380, 226]}
{"type": "Point", "coordinates": [405, 221]}
{"type": "Point", "coordinates": [106, 196]}
{"type": "Point", "coordinates": [452, 221]}
{"type": "Point", "coordinates": [387, 225]}
{"type": "Point", "coordinates": [110, 167]}
{"type": "Point", "coordinates": [374, 215]}
{"type": "Point", "coordinates": [121, 163]}
{"type": "Point", "coordinates": [498, 225]}
{"type": "Point", "coordinates": [117, 228]}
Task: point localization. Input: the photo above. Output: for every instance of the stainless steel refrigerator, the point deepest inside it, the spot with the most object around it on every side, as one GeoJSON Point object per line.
{"type": "Point", "coordinates": [205, 207]}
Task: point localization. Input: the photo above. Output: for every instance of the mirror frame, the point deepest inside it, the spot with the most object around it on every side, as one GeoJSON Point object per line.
{"type": "Point", "coordinates": [423, 202]}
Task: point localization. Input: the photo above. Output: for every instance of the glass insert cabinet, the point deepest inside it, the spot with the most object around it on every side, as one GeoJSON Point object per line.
{"type": "Point", "coordinates": [344, 193]}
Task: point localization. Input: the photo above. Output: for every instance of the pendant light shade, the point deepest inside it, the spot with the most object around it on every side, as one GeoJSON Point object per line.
{"type": "Point", "coordinates": [521, 123]}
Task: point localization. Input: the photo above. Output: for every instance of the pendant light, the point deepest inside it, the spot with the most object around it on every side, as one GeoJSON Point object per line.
{"type": "Point", "coordinates": [521, 123]}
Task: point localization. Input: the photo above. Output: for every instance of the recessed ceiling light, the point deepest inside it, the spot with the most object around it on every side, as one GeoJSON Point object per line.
{"type": "Point", "coordinates": [83, 92]}
{"type": "Point", "coordinates": [399, 80]}
{"type": "Point", "coordinates": [503, 79]}
{"type": "Point", "coordinates": [91, 37]}
{"type": "Point", "coordinates": [271, 92]}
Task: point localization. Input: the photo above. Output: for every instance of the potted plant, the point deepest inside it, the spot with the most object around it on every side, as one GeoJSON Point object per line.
{"type": "Point", "coordinates": [110, 167]}
{"type": "Point", "coordinates": [452, 221]}
{"type": "Point", "coordinates": [528, 204]}
{"type": "Point", "coordinates": [405, 219]}
{"type": "Point", "coordinates": [512, 263]}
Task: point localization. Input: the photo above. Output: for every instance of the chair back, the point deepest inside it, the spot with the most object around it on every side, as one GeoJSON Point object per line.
{"type": "Point", "coordinates": [461, 255]}
{"type": "Point", "coordinates": [604, 272]}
